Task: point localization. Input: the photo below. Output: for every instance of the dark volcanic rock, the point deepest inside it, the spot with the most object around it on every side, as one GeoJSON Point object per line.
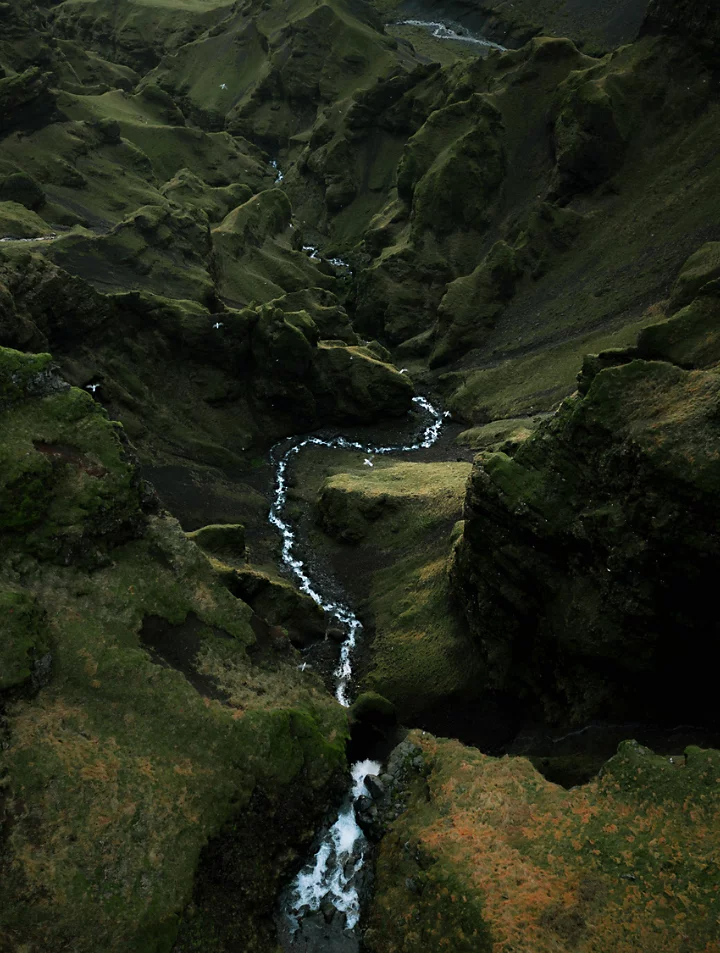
{"type": "Point", "coordinates": [587, 560]}
{"type": "Point", "coordinates": [695, 20]}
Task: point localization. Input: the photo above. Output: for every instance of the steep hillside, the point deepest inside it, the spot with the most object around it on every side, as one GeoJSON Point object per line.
{"type": "Point", "coordinates": [145, 709]}
{"type": "Point", "coordinates": [487, 855]}
{"type": "Point", "coordinates": [587, 557]}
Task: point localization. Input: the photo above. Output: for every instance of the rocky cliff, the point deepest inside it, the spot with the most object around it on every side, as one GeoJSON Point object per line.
{"type": "Point", "coordinates": [146, 711]}
{"type": "Point", "coordinates": [487, 855]}
{"type": "Point", "coordinates": [587, 557]}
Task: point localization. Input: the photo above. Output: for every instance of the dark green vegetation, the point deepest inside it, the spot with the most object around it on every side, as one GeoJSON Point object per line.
{"type": "Point", "coordinates": [120, 765]}
{"type": "Point", "coordinates": [165, 762]}
{"type": "Point", "coordinates": [586, 554]}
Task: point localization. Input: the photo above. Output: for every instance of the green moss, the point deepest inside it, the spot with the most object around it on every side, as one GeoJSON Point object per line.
{"type": "Point", "coordinates": [65, 479]}
{"type": "Point", "coordinates": [471, 304]}
{"type": "Point", "coordinates": [160, 248]}
{"type": "Point", "coordinates": [400, 515]}
{"type": "Point", "coordinates": [489, 844]}
{"type": "Point", "coordinates": [531, 383]}
{"type": "Point", "coordinates": [24, 640]}
{"type": "Point", "coordinates": [690, 338]}
{"type": "Point", "coordinates": [21, 187]}
{"type": "Point", "coordinates": [187, 188]}
{"type": "Point", "coordinates": [17, 221]}
{"type": "Point", "coordinates": [698, 270]}
{"type": "Point", "coordinates": [119, 771]}
{"type": "Point", "coordinates": [226, 541]}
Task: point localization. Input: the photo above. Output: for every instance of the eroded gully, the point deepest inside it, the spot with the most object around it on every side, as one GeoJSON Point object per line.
{"type": "Point", "coordinates": [327, 889]}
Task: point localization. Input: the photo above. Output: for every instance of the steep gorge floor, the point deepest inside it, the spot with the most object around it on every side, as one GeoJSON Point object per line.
{"type": "Point", "coordinates": [224, 224]}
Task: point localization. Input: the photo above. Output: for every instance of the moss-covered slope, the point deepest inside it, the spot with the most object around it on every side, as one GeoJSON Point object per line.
{"type": "Point", "coordinates": [399, 518]}
{"type": "Point", "coordinates": [490, 856]}
{"type": "Point", "coordinates": [143, 713]}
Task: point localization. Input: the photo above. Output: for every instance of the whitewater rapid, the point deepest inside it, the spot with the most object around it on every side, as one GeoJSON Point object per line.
{"type": "Point", "coordinates": [333, 872]}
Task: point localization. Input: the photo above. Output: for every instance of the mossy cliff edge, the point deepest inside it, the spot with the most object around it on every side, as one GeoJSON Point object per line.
{"type": "Point", "coordinates": [486, 855]}
{"type": "Point", "coordinates": [145, 714]}
{"type": "Point", "coordinates": [586, 559]}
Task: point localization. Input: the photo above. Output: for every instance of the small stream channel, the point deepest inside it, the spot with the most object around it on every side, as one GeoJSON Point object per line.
{"type": "Point", "coordinates": [442, 30]}
{"type": "Point", "coordinates": [325, 894]}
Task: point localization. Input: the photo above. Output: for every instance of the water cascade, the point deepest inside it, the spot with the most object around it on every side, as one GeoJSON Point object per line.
{"type": "Point", "coordinates": [333, 872]}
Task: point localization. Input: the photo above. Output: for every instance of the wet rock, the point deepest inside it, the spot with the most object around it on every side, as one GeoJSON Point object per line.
{"type": "Point", "coordinates": [328, 910]}
{"type": "Point", "coordinates": [375, 786]}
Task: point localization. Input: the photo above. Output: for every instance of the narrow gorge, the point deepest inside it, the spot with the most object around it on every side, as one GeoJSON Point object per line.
{"type": "Point", "coordinates": [359, 472]}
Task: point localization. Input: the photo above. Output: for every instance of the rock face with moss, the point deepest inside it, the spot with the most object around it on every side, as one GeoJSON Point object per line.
{"type": "Point", "coordinates": [587, 557]}
{"type": "Point", "coordinates": [695, 20]}
{"type": "Point", "coordinates": [149, 728]}
{"type": "Point", "coordinates": [489, 855]}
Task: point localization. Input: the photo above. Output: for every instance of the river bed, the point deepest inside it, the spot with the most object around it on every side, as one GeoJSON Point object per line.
{"type": "Point", "coordinates": [321, 907]}
{"type": "Point", "coordinates": [453, 32]}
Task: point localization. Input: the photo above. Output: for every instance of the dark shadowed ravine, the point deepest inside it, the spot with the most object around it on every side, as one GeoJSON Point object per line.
{"type": "Point", "coordinates": [321, 908]}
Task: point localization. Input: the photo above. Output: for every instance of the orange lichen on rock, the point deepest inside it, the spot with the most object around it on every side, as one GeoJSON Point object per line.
{"type": "Point", "coordinates": [624, 863]}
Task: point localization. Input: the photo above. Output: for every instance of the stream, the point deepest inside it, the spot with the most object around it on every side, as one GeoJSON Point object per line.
{"type": "Point", "coordinates": [325, 895]}
{"type": "Point", "coordinates": [455, 32]}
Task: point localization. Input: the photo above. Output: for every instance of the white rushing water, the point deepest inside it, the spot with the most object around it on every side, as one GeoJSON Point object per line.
{"type": "Point", "coordinates": [444, 32]}
{"type": "Point", "coordinates": [342, 613]}
{"type": "Point", "coordinates": [279, 174]}
{"type": "Point", "coordinates": [43, 238]}
{"type": "Point", "coordinates": [339, 859]}
{"type": "Point", "coordinates": [313, 252]}
{"type": "Point", "coordinates": [332, 874]}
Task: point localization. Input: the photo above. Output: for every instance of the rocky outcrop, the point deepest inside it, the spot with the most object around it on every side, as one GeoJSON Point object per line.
{"type": "Point", "coordinates": [489, 855]}
{"type": "Point", "coordinates": [697, 21]}
{"type": "Point", "coordinates": [25, 98]}
{"type": "Point", "coordinates": [587, 558]}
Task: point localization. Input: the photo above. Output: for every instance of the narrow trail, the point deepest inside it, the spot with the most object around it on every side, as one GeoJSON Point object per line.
{"type": "Point", "coordinates": [331, 876]}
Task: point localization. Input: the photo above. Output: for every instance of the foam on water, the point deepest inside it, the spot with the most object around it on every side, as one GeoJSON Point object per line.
{"type": "Point", "coordinates": [338, 860]}
{"type": "Point", "coordinates": [313, 252]}
{"type": "Point", "coordinates": [43, 238]}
